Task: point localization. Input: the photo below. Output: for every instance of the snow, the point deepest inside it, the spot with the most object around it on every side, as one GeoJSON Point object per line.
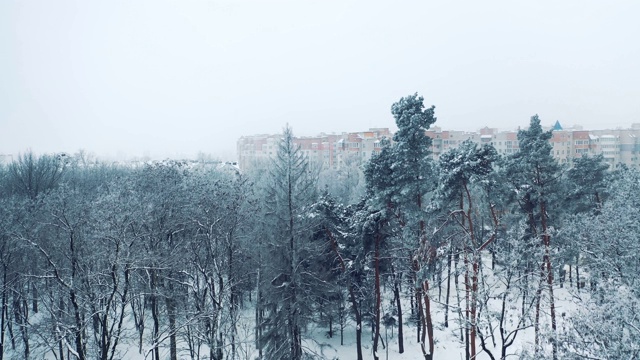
{"type": "Point", "coordinates": [447, 340]}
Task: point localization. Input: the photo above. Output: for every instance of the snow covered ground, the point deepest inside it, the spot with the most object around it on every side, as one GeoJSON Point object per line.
{"type": "Point", "coordinates": [448, 344]}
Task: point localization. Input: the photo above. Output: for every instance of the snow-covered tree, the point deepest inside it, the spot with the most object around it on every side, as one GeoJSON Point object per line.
{"type": "Point", "coordinates": [32, 175]}
{"type": "Point", "coordinates": [534, 176]}
{"type": "Point", "coordinates": [585, 186]}
{"type": "Point", "coordinates": [587, 180]}
{"type": "Point", "coordinates": [464, 184]}
{"type": "Point", "coordinates": [605, 324]}
{"type": "Point", "coordinates": [289, 193]}
{"type": "Point", "coordinates": [399, 178]}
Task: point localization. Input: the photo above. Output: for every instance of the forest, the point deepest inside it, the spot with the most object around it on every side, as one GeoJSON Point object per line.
{"type": "Point", "coordinates": [511, 256]}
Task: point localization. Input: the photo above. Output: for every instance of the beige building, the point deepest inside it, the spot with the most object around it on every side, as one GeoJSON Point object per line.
{"type": "Point", "coordinates": [617, 146]}
{"type": "Point", "coordinates": [332, 151]}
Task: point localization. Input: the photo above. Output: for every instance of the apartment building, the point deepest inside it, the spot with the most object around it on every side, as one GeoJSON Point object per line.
{"type": "Point", "coordinates": [331, 151]}
{"type": "Point", "coordinates": [617, 146]}
{"type": "Point", "coordinates": [505, 142]}
{"type": "Point", "coordinates": [444, 140]}
{"type": "Point", "coordinates": [335, 151]}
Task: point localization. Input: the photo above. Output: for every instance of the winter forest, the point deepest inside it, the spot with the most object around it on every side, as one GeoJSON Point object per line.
{"type": "Point", "coordinates": [472, 256]}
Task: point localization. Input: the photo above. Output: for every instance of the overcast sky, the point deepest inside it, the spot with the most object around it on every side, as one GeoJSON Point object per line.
{"type": "Point", "coordinates": [172, 78]}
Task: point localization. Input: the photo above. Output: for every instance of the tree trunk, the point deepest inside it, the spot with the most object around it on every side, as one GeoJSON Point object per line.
{"type": "Point", "coordinates": [60, 344]}
{"type": "Point", "coordinates": [72, 297]}
{"type": "Point", "coordinates": [341, 326]}
{"type": "Point", "coordinates": [376, 335]}
{"type": "Point", "coordinates": [474, 307]}
{"type": "Point", "coordinates": [171, 315]}
{"type": "Point", "coordinates": [155, 315]}
{"type": "Point", "coordinates": [258, 330]}
{"type": "Point", "coordinates": [474, 275]}
{"type": "Point", "coordinates": [358, 315]}
{"type": "Point", "coordinates": [413, 312]}
{"type": "Point", "coordinates": [467, 310]}
{"type": "Point", "coordinates": [549, 275]}
{"type": "Point", "coordinates": [330, 326]}
{"type": "Point", "coordinates": [294, 327]}
{"type": "Point", "coordinates": [552, 306]}
{"type": "Point", "coordinates": [457, 285]}
{"type": "Point", "coordinates": [140, 316]}
{"type": "Point", "coordinates": [10, 328]}
{"type": "Point", "coordinates": [536, 321]}
{"type": "Point", "coordinates": [439, 281]}
{"type": "Point", "coordinates": [504, 345]}
{"type": "Point", "coordinates": [34, 300]}
{"type": "Point", "coordinates": [78, 325]}
{"type": "Point", "coordinates": [429, 322]}
{"type": "Point", "coordinates": [578, 272]}
{"type": "Point", "coordinates": [428, 256]}
{"type": "Point", "coordinates": [124, 298]}
{"type": "Point", "coordinates": [446, 306]}
{"type": "Point", "coordinates": [493, 255]}
{"type": "Point", "coordinates": [233, 293]}
{"type": "Point", "coordinates": [21, 317]}
{"type": "Point", "coordinates": [3, 313]}
{"type": "Point", "coordinates": [420, 314]}
{"type": "Point", "coordinates": [396, 294]}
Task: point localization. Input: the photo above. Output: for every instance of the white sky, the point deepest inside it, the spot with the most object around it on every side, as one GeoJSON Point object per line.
{"type": "Point", "coordinates": [172, 78]}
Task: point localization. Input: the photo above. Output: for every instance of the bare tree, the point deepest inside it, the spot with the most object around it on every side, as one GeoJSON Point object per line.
{"type": "Point", "coordinates": [33, 175]}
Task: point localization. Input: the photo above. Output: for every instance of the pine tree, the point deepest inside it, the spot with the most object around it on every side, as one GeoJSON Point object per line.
{"type": "Point", "coordinates": [587, 180]}
{"type": "Point", "coordinates": [535, 178]}
{"type": "Point", "coordinates": [398, 179]}
{"type": "Point", "coordinates": [290, 192]}
{"type": "Point", "coordinates": [464, 171]}
{"type": "Point", "coordinates": [585, 185]}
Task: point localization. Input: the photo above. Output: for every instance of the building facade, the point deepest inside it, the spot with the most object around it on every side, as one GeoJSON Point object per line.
{"type": "Point", "coordinates": [335, 151]}
{"type": "Point", "coordinates": [331, 151]}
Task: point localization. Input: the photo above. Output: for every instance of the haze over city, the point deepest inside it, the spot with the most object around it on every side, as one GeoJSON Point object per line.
{"type": "Point", "coordinates": [214, 179]}
{"type": "Point", "coordinates": [169, 78]}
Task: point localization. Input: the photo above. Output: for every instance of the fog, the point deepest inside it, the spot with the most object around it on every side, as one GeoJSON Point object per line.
{"type": "Point", "coordinates": [175, 78]}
